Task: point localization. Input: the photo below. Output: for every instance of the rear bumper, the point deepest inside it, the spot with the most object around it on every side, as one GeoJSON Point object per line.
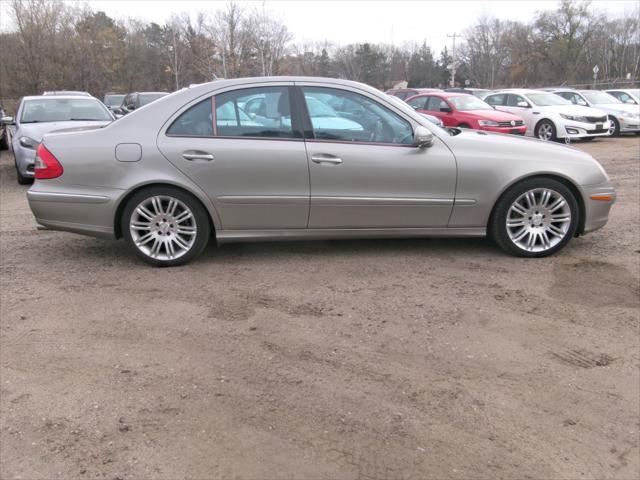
{"type": "Point", "coordinates": [74, 208]}
{"type": "Point", "coordinates": [597, 211]}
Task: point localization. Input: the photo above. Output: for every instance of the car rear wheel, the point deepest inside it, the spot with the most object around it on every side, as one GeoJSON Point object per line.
{"type": "Point", "coordinates": [4, 142]}
{"type": "Point", "coordinates": [546, 131]}
{"type": "Point", "coordinates": [165, 226]}
{"type": "Point", "coordinates": [535, 218]}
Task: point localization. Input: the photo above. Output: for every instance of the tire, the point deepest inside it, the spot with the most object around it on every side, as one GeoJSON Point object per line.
{"type": "Point", "coordinates": [614, 130]}
{"type": "Point", "coordinates": [588, 139]}
{"type": "Point", "coordinates": [4, 141]}
{"type": "Point", "coordinates": [546, 131]}
{"type": "Point", "coordinates": [519, 231]}
{"type": "Point", "coordinates": [165, 226]}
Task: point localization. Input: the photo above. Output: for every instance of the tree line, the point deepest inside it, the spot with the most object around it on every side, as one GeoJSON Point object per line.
{"type": "Point", "coordinates": [54, 45]}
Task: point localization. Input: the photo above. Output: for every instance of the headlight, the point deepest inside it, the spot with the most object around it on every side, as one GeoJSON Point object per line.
{"type": "Point", "coordinates": [630, 115]}
{"type": "Point", "coordinates": [575, 118]}
{"type": "Point", "coordinates": [27, 142]}
{"type": "Point", "coordinates": [488, 123]}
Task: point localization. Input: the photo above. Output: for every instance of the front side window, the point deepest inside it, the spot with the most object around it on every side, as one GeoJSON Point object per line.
{"type": "Point", "coordinates": [418, 102]}
{"type": "Point", "coordinates": [195, 122]}
{"type": "Point", "coordinates": [514, 100]}
{"type": "Point", "coordinates": [254, 112]}
{"type": "Point", "coordinates": [371, 122]}
{"type": "Point", "coordinates": [435, 104]}
{"type": "Point", "coordinates": [497, 99]}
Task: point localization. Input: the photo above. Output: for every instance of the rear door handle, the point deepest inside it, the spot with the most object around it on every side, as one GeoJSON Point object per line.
{"type": "Point", "coordinates": [326, 158]}
{"type": "Point", "coordinates": [192, 155]}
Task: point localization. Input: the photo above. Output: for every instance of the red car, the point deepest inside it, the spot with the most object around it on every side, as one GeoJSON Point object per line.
{"type": "Point", "coordinates": [466, 111]}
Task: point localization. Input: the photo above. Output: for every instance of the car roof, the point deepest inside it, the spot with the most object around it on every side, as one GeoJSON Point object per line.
{"type": "Point", "coordinates": [151, 93]}
{"type": "Point", "coordinates": [58, 97]}
{"type": "Point", "coordinates": [445, 94]}
{"type": "Point", "coordinates": [523, 91]}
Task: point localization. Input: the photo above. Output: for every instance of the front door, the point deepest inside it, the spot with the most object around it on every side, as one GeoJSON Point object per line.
{"type": "Point", "coordinates": [364, 171]}
{"type": "Point", "coordinates": [253, 166]}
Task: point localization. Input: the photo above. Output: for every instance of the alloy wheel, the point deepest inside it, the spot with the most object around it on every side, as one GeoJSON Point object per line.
{"type": "Point", "coordinates": [163, 227]}
{"type": "Point", "coordinates": [545, 132]}
{"type": "Point", "coordinates": [538, 220]}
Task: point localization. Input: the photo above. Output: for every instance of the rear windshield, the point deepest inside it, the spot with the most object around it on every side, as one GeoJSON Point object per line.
{"type": "Point", "coordinates": [63, 110]}
{"type": "Point", "coordinates": [150, 97]}
{"type": "Point", "coordinates": [113, 100]}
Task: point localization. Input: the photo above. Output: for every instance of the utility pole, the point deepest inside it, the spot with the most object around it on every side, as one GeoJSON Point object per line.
{"type": "Point", "coordinates": [453, 59]}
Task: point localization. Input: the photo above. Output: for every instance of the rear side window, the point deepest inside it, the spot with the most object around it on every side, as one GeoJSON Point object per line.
{"type": "Point", "coordinates": [513, 100]}
{"type": "Point", "coordinates": [436, 103]}
{"type": "Point", "coordinates": [195, 122]}
{"type": "Point", "coordinates": [254, 112]}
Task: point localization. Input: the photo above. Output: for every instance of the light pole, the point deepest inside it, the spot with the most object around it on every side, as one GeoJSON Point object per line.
{"type": "Point", "coordinates": [453, 59]}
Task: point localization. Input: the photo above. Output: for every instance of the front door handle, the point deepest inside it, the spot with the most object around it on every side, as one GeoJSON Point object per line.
{"type": "Point", "coordinates": [192, 155]}
{"type": "Point", "coordinates": [326, 158]}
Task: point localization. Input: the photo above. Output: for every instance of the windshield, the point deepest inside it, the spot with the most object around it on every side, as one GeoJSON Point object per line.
{"type": "Point", "coordinates": [469, 102]}
{"type": "Point", "coordinates": [544, 99]}
{"type": "Point", "coordinates": [63, 110]}
{"type": "Point", "coordinates": [599, 98]}
{"type": "Point", "coordinates": [150, 97]}
{"type": "Point", "coordinates": [113, 100]}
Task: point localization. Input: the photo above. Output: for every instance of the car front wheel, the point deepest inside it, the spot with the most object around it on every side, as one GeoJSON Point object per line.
{"type": "Point", "coordinates": [535, 218]}
{"type": "Point", "coordinates": [546, 131]}
{"type": "Point", "coordinates": [165, 226]}
{"type": "Point", "coordinates": [614, 127]}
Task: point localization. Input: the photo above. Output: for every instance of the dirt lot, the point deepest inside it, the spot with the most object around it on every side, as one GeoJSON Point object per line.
{"type": "Point", "coordinates": [387, 359]}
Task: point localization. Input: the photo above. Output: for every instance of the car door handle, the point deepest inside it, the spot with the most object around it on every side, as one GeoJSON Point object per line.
{"type": "Point", "coordinates": [326, 158]}
{"type": "Point", "coordinates": [197, 155]}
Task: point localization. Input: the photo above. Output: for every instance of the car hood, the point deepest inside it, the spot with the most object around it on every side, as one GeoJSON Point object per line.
{"type": "Point", "coordinates": [620, 107]}
{"type": "Point", "coordinates": [495, 115]}
{"type": "Point", "coordinates": [38, 130]}
{"type": "Point", "coordinates": [578, 110]}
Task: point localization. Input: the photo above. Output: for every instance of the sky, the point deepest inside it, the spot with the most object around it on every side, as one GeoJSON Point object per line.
{"type": "Point", "coordinates": [343, 22]}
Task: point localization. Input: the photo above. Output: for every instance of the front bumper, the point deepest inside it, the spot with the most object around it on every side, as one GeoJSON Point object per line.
{"type": "Point", "coordinates": [596, 205]}
{"type": "Point", "coordinates": [509, 130]}
{"type": "Point", "coordinates": [585, 130]}
{"type": "Point", "coordinates": [629, 124]}
{"type": "Point", "coordinates": [25, 160]}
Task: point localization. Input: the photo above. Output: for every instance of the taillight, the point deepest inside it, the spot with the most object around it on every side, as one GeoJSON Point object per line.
{"type": "Point", "coordinates": [47, 166]}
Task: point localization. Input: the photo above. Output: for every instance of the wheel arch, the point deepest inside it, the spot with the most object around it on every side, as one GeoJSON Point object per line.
{"type": "Point", "coordinates": [125, 199]}
{"type": "Point", "coordinates": [535, 127]}
{"type": "Point", "coordinates": [553, 176]}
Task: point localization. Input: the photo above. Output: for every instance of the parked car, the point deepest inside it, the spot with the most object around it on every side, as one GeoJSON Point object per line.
{"type": "Point", "coordinates": [478, 92]}
{"type": "Point", "coordinates": [113, 100]}
{"type": "Point", "coordinates": [169, 177]}
{"type": "Point", "coordinates": [404, 93]}
{"type": "Point", "coordinates": [67, 93]}
{"type": "Point", "coordinates": [626, 95]}
{"type": "Point", "coordinates": [135, 100]}
{"type": "Point", "coordinates": [550, 117]}
{"type": "Point", "coordinates": [624, 118]}
{"type": "Point", "coordinates": [38, 115]}
{"type": "Point", "coordinates": [4, 135]}
{"type": "Point", "coordinates": [431, 118]}
{"type": "Point", "coordinates": [464, 110]}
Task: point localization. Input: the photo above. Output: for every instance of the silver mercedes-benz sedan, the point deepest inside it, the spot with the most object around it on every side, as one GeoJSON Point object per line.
{"type": "Point", "coordinates": [212, 161]}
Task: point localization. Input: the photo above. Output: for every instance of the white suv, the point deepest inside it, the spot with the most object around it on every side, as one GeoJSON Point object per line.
{"type": "Point", "coordinates": [550, 117]}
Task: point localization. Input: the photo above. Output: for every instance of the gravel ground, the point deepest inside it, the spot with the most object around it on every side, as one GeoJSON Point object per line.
{"type": "Point", "coordinates": [392, 359]}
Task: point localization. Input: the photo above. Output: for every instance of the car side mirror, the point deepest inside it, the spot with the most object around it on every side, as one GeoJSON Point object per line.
{"type": "Point", "coordinates": [445, 109]}
{"type": "Point", "coordinates": [422, 137]}
{"type": "Point", "coordinates": [7, 121]}
{"type": "Point", "coordinates": [522, 104]}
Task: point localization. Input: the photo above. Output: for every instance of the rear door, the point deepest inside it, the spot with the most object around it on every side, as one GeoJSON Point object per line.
{"type": "Point", "coordinates": [253, 168]}
{"type": "Point", "coordinates": [514, 104]}
{"type": "Point", "coordinates": [365, 173]}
